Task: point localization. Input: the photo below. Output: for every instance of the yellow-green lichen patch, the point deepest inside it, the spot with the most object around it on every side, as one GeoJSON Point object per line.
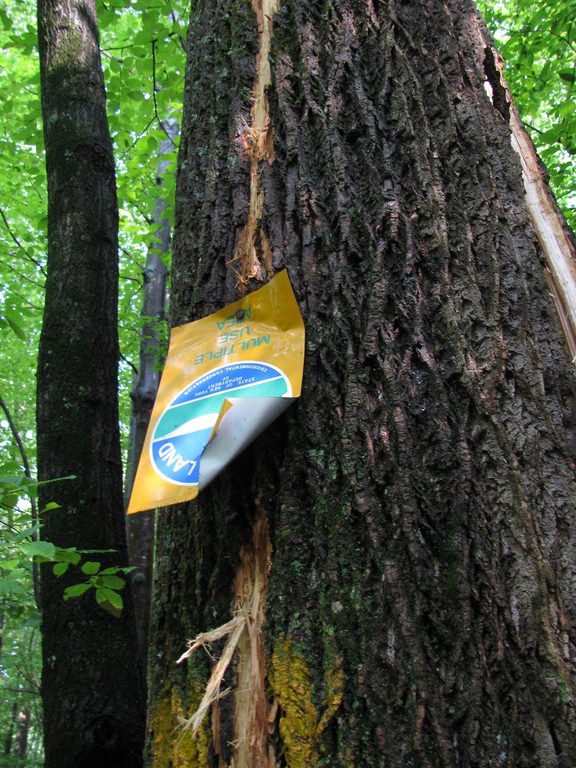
{"type": "Point", "coordinates": [170, 746]}
{"type": "Point", "coordinates": [301, 722]}
{"type": "Point", "coordinates": [333, 696]}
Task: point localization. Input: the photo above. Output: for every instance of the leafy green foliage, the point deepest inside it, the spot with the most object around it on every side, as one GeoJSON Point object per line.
{"type": "Point", "coordinates": [20, 549]}
{"type": "Point", "coordinates": [106, 582]}
{"type": "Point", "coordinates": [143, 59]}
{"type": "Point", "coordinates": [19, 620]}
{"type": "Point", "coordinates": [538, 44]}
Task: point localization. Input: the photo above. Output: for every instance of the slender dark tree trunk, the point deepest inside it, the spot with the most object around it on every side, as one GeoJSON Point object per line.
{"type": "Point", "coordinates": [402, 543]}
{"type": "Point", "coordinates": [140, 528]}
{"type": "Point", "coordinates": [92, 683]}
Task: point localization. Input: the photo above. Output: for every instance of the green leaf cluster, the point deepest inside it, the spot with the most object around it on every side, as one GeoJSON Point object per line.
{"type": "Point", "coordinates": [106, 582]}
{"type": "Point", "coordinates": [19, 619]}
{"type": "Point", "coordinates": [143, 47]}
{"type": "Point", "coordinates": [143, 58]}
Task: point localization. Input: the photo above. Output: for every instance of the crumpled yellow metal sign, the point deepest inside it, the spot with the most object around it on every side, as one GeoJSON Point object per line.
{"type": "Point", "coordinates": [226, 378]}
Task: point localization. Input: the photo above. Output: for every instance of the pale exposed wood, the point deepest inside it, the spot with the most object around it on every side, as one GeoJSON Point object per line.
{"type": "Point", "coordinates": [550, 229]}
{"type": "Point", "coordinates": [548, 223]}
{"type": "Point", "coordinates": [245, 639]}
{"type": "Point", "coordinates": [251, 709]}
{"type": "Point", "coordinates": [253, 252]}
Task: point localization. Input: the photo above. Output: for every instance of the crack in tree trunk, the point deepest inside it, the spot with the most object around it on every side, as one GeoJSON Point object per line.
{"type": "Point", "coordinates": [253, 251]}
{"type": "Point", "coordinates": [555, 239]}
{"type": "Point", "coordinates": [251, 707]}
{"type": "Point", "coordinates": [245, 641]}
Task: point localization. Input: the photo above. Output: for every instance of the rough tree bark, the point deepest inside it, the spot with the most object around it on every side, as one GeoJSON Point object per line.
{"type": "Point", "coordinates": [412, 517]}
{"type": "Point", "coordinates": [92, 685]}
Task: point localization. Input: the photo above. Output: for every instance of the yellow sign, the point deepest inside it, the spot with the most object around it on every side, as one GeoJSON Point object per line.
{"type": "Point", "coordinates": [227, 377]}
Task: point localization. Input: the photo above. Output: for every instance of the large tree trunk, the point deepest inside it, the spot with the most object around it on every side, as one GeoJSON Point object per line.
{"type": "Point", "coordinates": [412, 517]}
{"type": "Point", "coordinates": [92, 685]}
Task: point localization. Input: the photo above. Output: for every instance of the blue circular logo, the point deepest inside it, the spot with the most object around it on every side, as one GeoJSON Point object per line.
{"type": "Point", "coordinates": [184, 429]}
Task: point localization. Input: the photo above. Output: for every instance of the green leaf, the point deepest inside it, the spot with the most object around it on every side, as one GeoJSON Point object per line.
{"type": "Point", "coordinates": [110, 600]}
{"type": "Point", "coordinates": [17, 329]}
{"type": "Point", "coordinates": [24, 534]}
{"type": "Point", "coordinates": [68, 555]}
{"type": "Point", "coordinates": [76, 590]}
{"type": "Point", "coordinates": [91, 567]}
{"type": "Point", "coordinates": [112, 582]}
{"type": "Point", "coordinates": [43, 549]}
{"type": "Point", "coordinates": [52, 505]}
{"type": "Point", "coordinates": [106, 595]}
{"type": "Point", "coordinates": [60, 569]}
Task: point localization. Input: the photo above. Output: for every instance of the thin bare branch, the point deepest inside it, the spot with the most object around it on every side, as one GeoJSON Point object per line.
{"type": "Point", "coordinates": [154, 89]}
{"type": "Point", "coordinates": [129, 363]}
{"type": "Point", "coordinates": [19, 244]}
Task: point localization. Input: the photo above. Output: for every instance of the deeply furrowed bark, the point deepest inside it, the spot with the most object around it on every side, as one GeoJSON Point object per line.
{"type": "Point", "coordinates": [92, 686]}
{"type": "Point", "coordinates": [419, 498]}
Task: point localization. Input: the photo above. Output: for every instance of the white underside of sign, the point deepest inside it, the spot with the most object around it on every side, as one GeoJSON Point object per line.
{"type": "Point", "coordinates": [241, 425]}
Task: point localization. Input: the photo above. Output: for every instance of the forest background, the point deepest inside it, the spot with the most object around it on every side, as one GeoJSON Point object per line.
{"type": "Point", "coordinates": [143, 46]}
